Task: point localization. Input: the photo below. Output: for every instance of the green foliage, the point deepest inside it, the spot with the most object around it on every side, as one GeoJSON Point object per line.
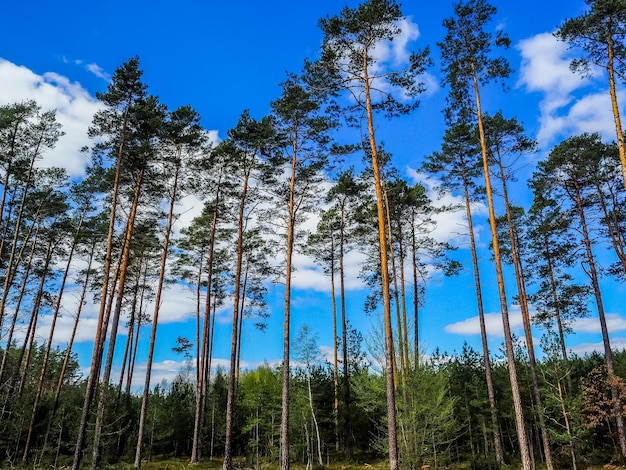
{"type": "Point", "coordinates": [466, 52]}
{"type": "Point", "coordinates": [604, 22]}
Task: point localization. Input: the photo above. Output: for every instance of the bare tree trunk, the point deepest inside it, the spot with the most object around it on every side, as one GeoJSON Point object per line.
{"type": "Point", "coordinates": [382, 241]}
{"type": "Point", "coordinates": [523, 302]}
{"type": "Point", "coordinates": [68, 351]}
{"type": "Point", "coordinates": [30, 335]}
{"type": "Point", "coordinates": [135, 346]}
{"type": "Point", "coordinates": [106, 376]}
{"type": "Point", "coordinates": [92, 378]}
{"type": "Point", "coordinates": [608, 353]}
{"type": "Point", "coordinates": [9, 341]}
{"type": "Point", "coordinates": [284, 422]}
{"type": "Point", "coordinates": [44, 366]}
{"type": "Point", "coordinates": [495, 427]}
{"type": "Point", "coordinates": [416, 344]}
{"type": "Point", "coordinates": [241, 310]}
{"type": "Point", "coordinates": [201, 335]}
{"type": "Point", "coordinates": [335, 346]}
{"type": "Point", "coordinates": [230, 401]}
{"type": "Point", "coordinates": [320, 460]}
{"type": "Point", "coordinates": [13, 262]}
{"type": "Point", "coordinates": [405, 326]}
{"type": "Point", "coordinates": [133, 320]}
{"type": "Point", "coordinates": [396, 296]}
{"type": "Point", "coordinates": [347, 444]}
{"type": "Point", "coordinates": [616, 116]}
{"type": "Point", "coordinates": [517, 401]}
{"type": "Point", "coordinates": [155, 315]}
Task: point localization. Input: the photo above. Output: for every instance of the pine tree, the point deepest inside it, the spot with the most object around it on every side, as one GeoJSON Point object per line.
{"type": "Point", "coordinates": [348, 65]}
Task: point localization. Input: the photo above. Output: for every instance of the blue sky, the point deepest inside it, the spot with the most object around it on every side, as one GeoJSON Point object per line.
{"type": "Point", "coordinates": [224, 57]}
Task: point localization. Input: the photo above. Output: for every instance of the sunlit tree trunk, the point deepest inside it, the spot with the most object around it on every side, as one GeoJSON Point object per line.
{"type": "Point", "coordinates": [614, 105]}
{"type": "Point", "coordinates": [284, 422]}
{"type": "Point", "coordinates": [517, 401]}
{"type": "Point", "coordinates": [523, 302]}
{"type": "Point", "coordinates": [495, 427]}
{"type": "Point", "coordinates": [347, 444]}
{"type": "Point", "coordinates": [94, 370]}
{"type": "Point", "coordinates": [382, 241]}
{"type": "Point", "coordinates": [230, 403]}
{"type": "Point", "coordinates": [202, 380]}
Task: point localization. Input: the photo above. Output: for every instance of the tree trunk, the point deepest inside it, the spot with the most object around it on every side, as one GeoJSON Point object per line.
{"type": "Point", "coordinates": [523, 302]}
{"type": "Point", "coordinates": [123, 271]}
{"type": "Point", "coordinates": [416, 343]}
{"type": "Point", "coordinates": [608, 353]}
{"type": "Point", "coordinates": [230, 401]}
{"type": "Point", "coordinates": [382, 242]}
{"type": "Point", "coordinates": [284, 422]}
{"type": "Point", "coordinates": [517, 401]}
{"type": "Point", "coordinates": [614, 105]}
{"type": "Point", "coordinates": [55, 315]}
{"type": "Point", "coordinates": [396, 295]}
{"type": "Point", "coordinates": [68, 352]}
{"type": "Point", "coordinates": [335, 345]}
{"type": "Point", "coordinates": [30, 335]}
{"type": "Point", "coordinates": [96, 358]}
{"type": "Point", "coordinates": [202, 379]}
{"type": "Point", "coordinates": [495, 427]}
{"type": "Point", "coordinates": [155, 315]}
{"type": "Point", "coordinates": [347, 443]}
{"type": "Point", "coordinates": [9, 341]}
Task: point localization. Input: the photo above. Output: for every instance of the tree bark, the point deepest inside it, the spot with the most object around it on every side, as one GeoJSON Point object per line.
{"type": "Point", "coordinates": [517, 401]}
{"type": "Point", "coordinates": [495, 426]}
{"type": "Point", "coordinates": [382, 242]}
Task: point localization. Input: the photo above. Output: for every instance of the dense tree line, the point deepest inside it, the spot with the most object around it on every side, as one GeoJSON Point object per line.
{"type": "Point", "coordinates": [110, 236]}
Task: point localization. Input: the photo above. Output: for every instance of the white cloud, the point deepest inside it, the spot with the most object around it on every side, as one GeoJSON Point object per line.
{"type": "Point", "coordinates": [396, 52]}
{"type": "Point", "coordinates": [545, 68]}
{"type": "Point", "coordinates": [178, 304]}
{"type": "Point", "coordinates": [565, 111]}
{"type": "Point", "coordinates": [614, 323]}
{"type": "Point", "coordinates": [75, 109]}
{"type": "Point", "coordinates": [309, 276]}
{"type": "Point", "coordinates": [98, 71]}
{"type": "Point", "coordinates": [493, 324]}
{"type": "Point", "coordinates": [451, 225]}
{"type": "Point", "coordinates": [588, 348]}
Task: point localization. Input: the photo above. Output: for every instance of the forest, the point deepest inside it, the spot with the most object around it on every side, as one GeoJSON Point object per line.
{"type": "Point", "coordinates": [296, 182]}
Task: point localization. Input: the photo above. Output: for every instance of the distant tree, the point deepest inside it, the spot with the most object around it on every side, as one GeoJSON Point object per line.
{"type": "Point", "coordinates": [307, 352]}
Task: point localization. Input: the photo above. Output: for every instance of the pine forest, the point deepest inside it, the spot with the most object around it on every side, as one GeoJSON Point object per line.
{"type": "Point", "coordinates": [313, 178]}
